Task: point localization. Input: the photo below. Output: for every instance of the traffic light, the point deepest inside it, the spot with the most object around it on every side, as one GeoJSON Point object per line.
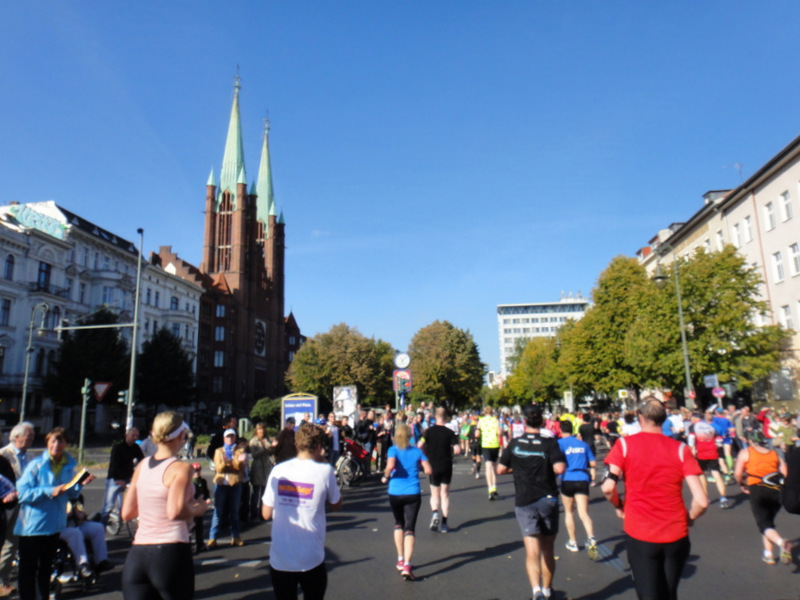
{"type": "Point", "coordinates": [86, 390]}
{"type": "Point", "coordinates": [122, 396]}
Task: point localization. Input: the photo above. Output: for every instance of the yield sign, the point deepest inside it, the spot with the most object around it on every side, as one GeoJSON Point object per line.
{"type": "Point", "coordinates": [100, 389]}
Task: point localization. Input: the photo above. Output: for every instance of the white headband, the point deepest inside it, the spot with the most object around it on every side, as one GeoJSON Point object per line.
{"type": "Point", "coordinates": [177, 432]}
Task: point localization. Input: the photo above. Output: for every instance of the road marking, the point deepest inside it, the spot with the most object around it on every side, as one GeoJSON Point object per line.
{"type": "Point", "coordinates": [251, 564]}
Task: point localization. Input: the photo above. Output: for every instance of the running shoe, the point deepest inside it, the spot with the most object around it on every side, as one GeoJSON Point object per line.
{"type": "Point", "coordinates": [477, 475]}
{"type": "Point", "coordinates": [591, 549]}
{"type": "Point", "coordinates": [572, 546]}
{"type": "Point", "coordinates": [539, 596]}
{"type": "Point", "coordinates": [724, 503]}
{"type": "Point", "coordinates": [435, 521]}
{"type": "Point", "coordinates": [786, 552]}
{"type": "Point", "coordinates": [444, 528]}
{"type": "Point", "coordinates": [400, 564]}
{"type": "Point", "coordinates": [768, 559]}
{"type": "Point", "coordinates": [407, 573]}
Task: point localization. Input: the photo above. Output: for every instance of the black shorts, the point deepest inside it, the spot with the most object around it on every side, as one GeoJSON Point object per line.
{"type": "Point", "coordinates": [491, 454]}
{"type": "Point", "coordinates": [710, 464]}
{"type": "Point", "coordinates": [441, 475]}
{"type": "Point", "coordinates": [765, 503]}
{"type": "Point", "coordinates": [538, 518]}
{"type": "Point", "coordinates": [571, 488]}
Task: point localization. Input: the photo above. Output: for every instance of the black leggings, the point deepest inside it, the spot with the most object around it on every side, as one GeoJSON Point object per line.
{"type": "Point", "coordinates": [36, 553]}
{"type": "Point", "coordinates": [313, 583]}
{"type": "Point", "coordinates": [657, 568]}
{"type": "Point", "coordinates": [765, 503]}
{"type": "Point", "coordinates": [405, 509]}
{"type": "Point", "coordinates": [154, 571]}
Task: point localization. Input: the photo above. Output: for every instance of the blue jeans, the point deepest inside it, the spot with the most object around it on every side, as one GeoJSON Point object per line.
{"type": "Point", "coordinates": [227, 499]}
{"type": "Point", "coordinates": [113, 498]}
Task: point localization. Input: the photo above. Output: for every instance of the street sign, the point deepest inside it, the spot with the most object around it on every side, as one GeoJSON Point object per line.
{"type": "Point", "coordinates": [401, 381]}
{"type": "Point", "coordinates": [692, 394]}
{"type": "Point", "coordinates": [622, 394]}
{"type": "Point", "coordinates": [711, 381]}
{"type": "Point", "coordinates": [100, 389]}
{"type": "Point", "coordinates": [718, 392]}
{"type": "Point", "coordinates": [345, 398]}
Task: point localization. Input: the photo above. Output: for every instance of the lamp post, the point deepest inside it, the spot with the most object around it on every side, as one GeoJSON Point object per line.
{"type": "Point", "coordinates": [44, 307]}
{"type": "Point", "coordinates": [661, 280]}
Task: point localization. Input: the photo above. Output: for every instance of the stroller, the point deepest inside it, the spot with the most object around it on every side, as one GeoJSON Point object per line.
{"type": "Point", "coordinates": [350, 466]}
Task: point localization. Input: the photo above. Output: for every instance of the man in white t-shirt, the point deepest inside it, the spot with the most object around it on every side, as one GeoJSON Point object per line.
{"type": "Point", "coordinates": [296, 496]}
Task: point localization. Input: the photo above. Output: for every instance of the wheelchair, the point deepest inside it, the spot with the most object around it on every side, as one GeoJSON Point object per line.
{"type": "Point", "coordinates": [66, 573]}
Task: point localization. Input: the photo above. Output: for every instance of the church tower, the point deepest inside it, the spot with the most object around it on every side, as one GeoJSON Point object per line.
{"type": "Point", "coordinates": [241, 353]}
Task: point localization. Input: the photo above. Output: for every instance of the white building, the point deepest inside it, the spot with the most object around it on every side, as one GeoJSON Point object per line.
{"type": "Point", "coordinates": [57, 266]}
{"type": "Point", "coordinates": [539, 319]}
{"type": "Point", "coordinates": [761, 219]}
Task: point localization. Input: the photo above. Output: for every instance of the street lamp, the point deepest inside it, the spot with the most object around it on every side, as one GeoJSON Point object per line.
{"type": "Point", "coordinates": [661, 280]}
{"type": "Point", "coordinates": [44, 307]}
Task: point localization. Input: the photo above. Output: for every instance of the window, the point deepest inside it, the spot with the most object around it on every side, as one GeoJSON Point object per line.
{"type": "Point", "coordinates": [43, 280]}
{"type": "Point", "coordinates": [8, 270]}
{"type": "Point", "coordinates": [219, 358]}
{"type": "Point", "coordinates": [219, 334]}
{"type": "Point", "coordinates": [148, 296]}
{"type": "Point", "coordinates": [707, 245]}
{"type": "Point", "coordinates": [216, 385]}
{"type": "Point", "coordinates": [2, 358]}
{"type": "Point", "coordinates": [786, 206]}
{"type": "Point", "coordinates": [147, 325]}
{"type": "Point", "coordinates": [157, 298]}
{"type": "Point", "coordinates": [777, 266]}
{"type": "Point", "coordinates": [155, 326]}
{"type": "Point", "coordinates": [794, 251]}
{"type": "Point", "coordinates": [5, 311]}
{"type": "Point", "coordinates": [54, 317]}
{"type": "Point", "coordinates": [786, 317]}
{"type": "Point", "coordinates": [720, 240]}
{"type": "Point", "coordinates": [108, 295]}
{"type": "Point", "coordinates": [748, 229]}
{"type": "Point", "coordinates": [736, 236]}
{"type": "Point", "coordinates": [68, 283]}
{"type": "Point", "coordinates": [769, 216]}
{"type": "Point", "coordinates": [82, 293]}
{"type": "Point", "coordinates": [176, 330]}
{"type": "Point", "coordinates": [220, 310]}
{"type": "Point", "coordinates": [292, 340]}
{"type": "Point", "coordinates": [173, 303]}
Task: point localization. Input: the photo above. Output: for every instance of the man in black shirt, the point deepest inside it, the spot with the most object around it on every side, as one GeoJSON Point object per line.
{"type": "Point", "coordinates": [535, 461]}
{"type": "Point", "coordinates": [124, 457]}
{"type": "Point", "coordinates": [440, 443]}
{"type": "Point", "coordinates": [218, 437]}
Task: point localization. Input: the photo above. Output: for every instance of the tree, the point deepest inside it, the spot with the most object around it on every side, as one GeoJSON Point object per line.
{"type": "Point", "coordinates": [96, 354]}
{"type": "Point", "coordinates": [445, 365]}
{"type": "Point", "coordinates": [343, 356]}
{"type": "Point", "coordinates": [593, 354]}
{"type": "Point", "coordinates": [719, 297]}
{"type": "Point", "coordinates": [268, 411]}
{"type": "Point", "coordinates": [536, 376]}
{"type": "Point", "coordinates": [164, 374]}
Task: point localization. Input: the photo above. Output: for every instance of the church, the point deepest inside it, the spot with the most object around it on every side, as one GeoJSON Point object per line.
{"type": "Point", "coordinates": [245, 343]}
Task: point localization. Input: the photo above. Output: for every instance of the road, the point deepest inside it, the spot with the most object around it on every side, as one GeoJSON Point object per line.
{"type": "Point", "coordinates": [482, 558]}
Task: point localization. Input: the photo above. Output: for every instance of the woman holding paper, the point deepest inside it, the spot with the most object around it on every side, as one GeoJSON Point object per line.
{"type": "Point", "coordinates": [160, 562]}
{"type": "Point", "coordinates": [46, 485]}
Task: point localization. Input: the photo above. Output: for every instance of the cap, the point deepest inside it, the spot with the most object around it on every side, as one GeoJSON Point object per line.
{"type": "Point", "coordinates": [290, 420]}
{"type": "Point", "coordinates": [229, 432]}
{"type": "Point", "coordinates": [196, 466]}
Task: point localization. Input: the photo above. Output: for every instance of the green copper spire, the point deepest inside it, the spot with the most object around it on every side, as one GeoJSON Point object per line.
{"type": "Point", "coordinates": [233, 159]}
{"type": "Point", "coordinates": [211, 180]}
{"type": "Point", "coordinates": [266, 198]}
{"type": "Point", "coordinates": [281, 219]}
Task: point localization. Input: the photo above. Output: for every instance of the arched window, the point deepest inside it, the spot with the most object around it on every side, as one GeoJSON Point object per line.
{"type": "Point", "coordinates": [8, 269]}
{"type": "Point", "coordinates": [173, 303]}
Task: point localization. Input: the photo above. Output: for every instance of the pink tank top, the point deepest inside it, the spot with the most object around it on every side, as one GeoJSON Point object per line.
{"type": "Point", "coordinates": [154, 526]}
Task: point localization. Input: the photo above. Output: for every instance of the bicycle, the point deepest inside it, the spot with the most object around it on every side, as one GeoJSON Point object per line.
{"type": "Point", "coordinates": [114, 522]}
{"type": "Point", "coordinates": [348, 470]}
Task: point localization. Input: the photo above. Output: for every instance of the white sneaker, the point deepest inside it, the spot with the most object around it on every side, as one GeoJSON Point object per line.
{"type": "Point", "coordinates": [572, 546]}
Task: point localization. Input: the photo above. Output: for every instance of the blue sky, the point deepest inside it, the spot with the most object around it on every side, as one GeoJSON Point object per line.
{"type": "Point", "coordinates": [432, 159]}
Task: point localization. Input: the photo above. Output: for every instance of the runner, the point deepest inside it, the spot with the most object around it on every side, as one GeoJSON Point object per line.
{"type": "Point", "coordinates": [575, 487]}
{"type": "Point", "coordinates": [535, 461]}
{"type": "Point", "coordinates": [656, 522]}
{"type": "Point", "coordinates": [475, 446]}
{"type": "Point", "coordinates": [762, 467]}
{"type": "Point", "coordinates": [489, 431]}
{"type": "Point", "coordinates": [439, 444]}
{"type": "Point", "coordinates": [702, 439]}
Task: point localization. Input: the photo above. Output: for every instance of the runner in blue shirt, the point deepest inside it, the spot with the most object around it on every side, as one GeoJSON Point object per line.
{"type": "Point", "coordinates": [579, 473]}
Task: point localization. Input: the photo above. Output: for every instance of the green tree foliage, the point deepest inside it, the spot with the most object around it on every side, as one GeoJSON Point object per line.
{"type": "Point", "coordinates": [343, 356]}
{"type": "Point", "coordinates": [445, 365]}
{"type": "Point", "coordinates": [164, 371]}
{"type": "Point", "coordinates": [96, 354]}
{"type": "Point", "coordinates": [719, 300]}
{"type": "Point", "coordinates": [268, 411]}
{"type": "Point", "coordinates": [536, 376]}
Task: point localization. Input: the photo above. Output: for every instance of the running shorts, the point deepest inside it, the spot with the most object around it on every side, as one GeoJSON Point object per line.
{"type": "Point", "coordinates": [571, 488]}
{"type": "Point", "coordinates": [491, 454]}
{"type": "Point", "coordinates": [538, 518]}
{"type": "Point", "coordinates": [441, 475]}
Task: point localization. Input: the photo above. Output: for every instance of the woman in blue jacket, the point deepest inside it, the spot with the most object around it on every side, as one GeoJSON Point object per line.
{"type": "Point", "coordinates": [43, 496]}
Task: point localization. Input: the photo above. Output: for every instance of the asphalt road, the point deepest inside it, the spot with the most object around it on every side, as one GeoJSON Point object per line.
{"type": "Point", "coordinates": [482, 558]}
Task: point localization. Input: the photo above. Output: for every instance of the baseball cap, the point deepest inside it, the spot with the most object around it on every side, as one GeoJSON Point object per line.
{"type": "Point", "coordinates": [229, 432]}
{"type": "Point", "coordinates": [290, 420]}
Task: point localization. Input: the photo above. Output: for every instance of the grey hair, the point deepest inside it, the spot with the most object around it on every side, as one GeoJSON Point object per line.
{"type": "Point", "coordinates": [20, 429]}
